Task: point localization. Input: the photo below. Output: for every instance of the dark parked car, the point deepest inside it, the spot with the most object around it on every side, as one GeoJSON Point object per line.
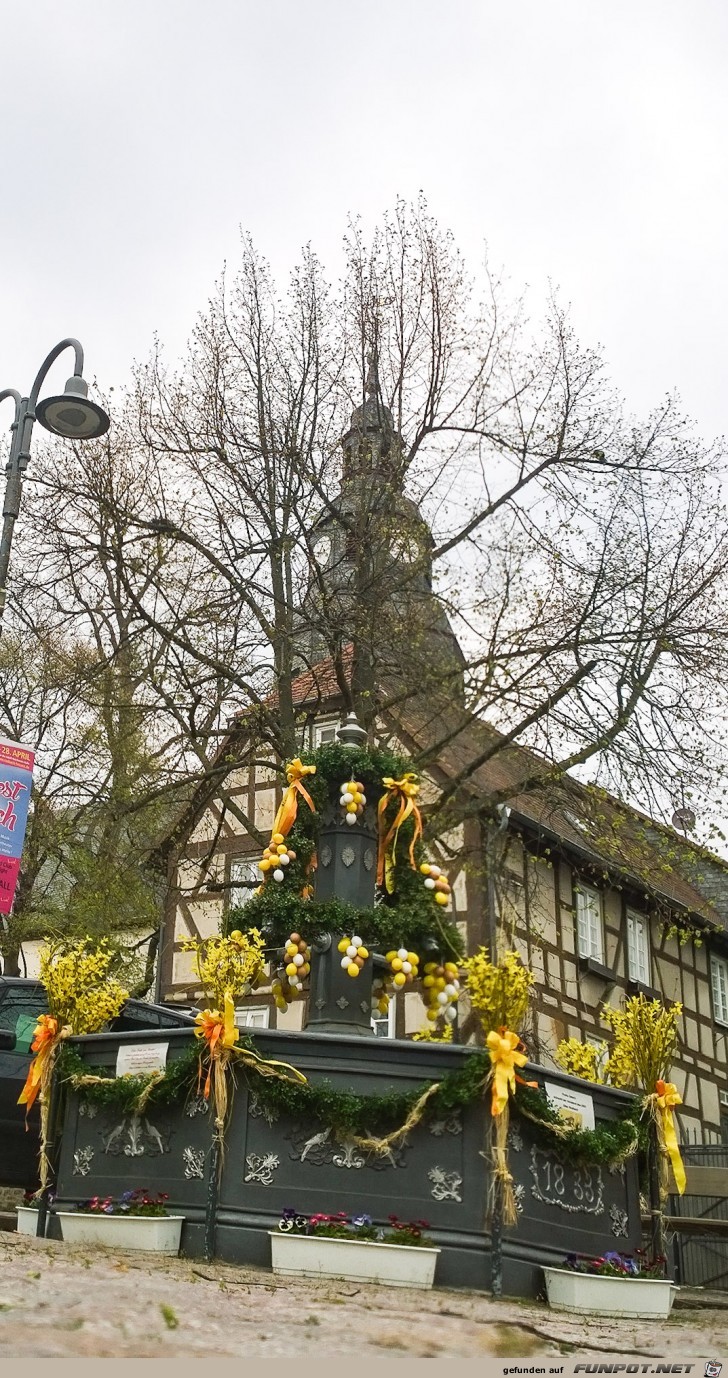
{"type": "Point", "coordinates": [21, 1001]}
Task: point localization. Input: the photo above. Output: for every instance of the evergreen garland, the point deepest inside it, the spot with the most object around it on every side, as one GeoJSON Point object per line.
{"type": "Point", "coordinates": [408, 917]}
{"type": "Point", "coordinates": [350, 1112]}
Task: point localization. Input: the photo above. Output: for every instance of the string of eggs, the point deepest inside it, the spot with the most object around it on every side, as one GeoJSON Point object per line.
{"type": "Point", "coordinates": [276, 856]}
{"type": "Point", "coordinates": [289, 983]}
{"type": "Point", "coordinates": [354, 955]}
{"type": "Point", "coordinates": [404, 966]}
{"type": "Point", "coordinates": [437, 881]}
{"type": "Point", "coordinates": [353, 800]}
{"type": "Point", "coordinates": [442, 990]}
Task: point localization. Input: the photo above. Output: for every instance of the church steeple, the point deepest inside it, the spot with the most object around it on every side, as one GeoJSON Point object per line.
{"type": "Point", "coordinates": [371, 445]}
{"type": "Point", "coordinates": [373, 553]}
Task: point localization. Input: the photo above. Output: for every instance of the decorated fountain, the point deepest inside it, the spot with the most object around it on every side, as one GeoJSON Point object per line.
{"type": "Point", "coordinates": [238, 1133]}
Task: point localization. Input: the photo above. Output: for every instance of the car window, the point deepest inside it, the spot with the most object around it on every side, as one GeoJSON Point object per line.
{"type": "Point", "coordinates": [19, 1010]}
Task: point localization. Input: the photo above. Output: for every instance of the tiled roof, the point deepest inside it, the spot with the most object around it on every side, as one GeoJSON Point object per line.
{"type": "Point", "coordinates": [587, 820]}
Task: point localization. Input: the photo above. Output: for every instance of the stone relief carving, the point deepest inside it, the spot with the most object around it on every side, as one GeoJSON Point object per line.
{"type": "Point", "coordinates": [88, 1109]}
{"type": "Point", "coordinates": [197, 1106]}
{"type": "Point", "coordinates": [325, 855]}
{"type": "Point", "coordinates": [135, 1136]}
{"type": "Point", "coordinates": [348, 856]}
{"type": "Point", "coordinates": [194, 1162]}
{"type": "Point", "coordinates": [82, 1162]}
{"type": "Point", "coordinates": [258, 1111]}
{"type": "Point", "coordinates": [261, 1168]}
{"type": "Point", "coordinates": [620, 1221]}
{"type": "Point", "coordinates": [449, 1124]}
{"type": "Point", "coordinates": [324, 1148]}
{"type": "Point", "coordinates": [445, 1185]}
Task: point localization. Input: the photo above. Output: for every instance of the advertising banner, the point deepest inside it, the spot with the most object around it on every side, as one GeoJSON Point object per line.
{"type": "Point", "coordinates": [16, 779]}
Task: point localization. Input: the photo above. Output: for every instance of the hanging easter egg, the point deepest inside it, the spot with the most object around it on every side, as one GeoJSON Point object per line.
{"type": "Point", "coordinates": [279, 875]}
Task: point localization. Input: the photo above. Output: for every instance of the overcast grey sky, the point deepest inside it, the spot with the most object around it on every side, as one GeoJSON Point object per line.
{"type": "Point", "coordinates": [586, 141]}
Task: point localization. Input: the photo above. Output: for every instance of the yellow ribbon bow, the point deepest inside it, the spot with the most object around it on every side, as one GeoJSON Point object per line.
{"type": "Point", "coordinates": [666, 1097]}
{"type": "Point", "coordinates": [404, 792]}
{"type": "Point", "coordinates": [286, 815]}
{"type": "Point", "coordinates": [503, 1046]}
{"type": "Point", "coordinates": [45, 1038]}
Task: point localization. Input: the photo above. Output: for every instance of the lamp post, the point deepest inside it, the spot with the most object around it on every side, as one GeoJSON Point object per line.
{"type": "Point", "coordinates": [71, 415]}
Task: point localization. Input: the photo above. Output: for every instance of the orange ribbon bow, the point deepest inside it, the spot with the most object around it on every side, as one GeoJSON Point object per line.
{"type": "Point", "coordinates": [218, 1031]}
{"type": "Point", "coordinates": [45, 1037]}
{"type": "Point", "coordinates": [404, 792]}
{"type": "Point", "coordinates": [286, 815]}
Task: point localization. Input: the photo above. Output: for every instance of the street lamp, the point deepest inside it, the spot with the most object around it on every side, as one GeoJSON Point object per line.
{"type": "Point", "coordinates": [71, 415]}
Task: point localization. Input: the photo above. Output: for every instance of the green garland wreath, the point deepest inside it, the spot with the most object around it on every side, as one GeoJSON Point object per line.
{"type": "Point", "coordinates": [409, 916]}
{"type": "Point", "coordinates": [348, 1112]}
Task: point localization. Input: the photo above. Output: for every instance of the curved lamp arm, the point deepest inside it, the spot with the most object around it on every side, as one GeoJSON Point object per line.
{"type": "Point", "coordinates": [11, 392]}
{"type": "Point", "coordinates": [50, 359]}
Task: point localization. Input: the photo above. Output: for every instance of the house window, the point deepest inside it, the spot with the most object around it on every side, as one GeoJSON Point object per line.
{"type": "Point", "coordinates": [719, 982]}
{"type": "Point", "coordinates": [638, 947]}
{"type": "Point", "coordinates": [252, 1017]}
{"type": "Point", "coordinates": [589, 926]}
{"type": "Point", "coordinates": [244, 876]}
{"type": "Point", "coordinates": [384, 1024]}
{"type": "Point", "coordinates": [324, 732]}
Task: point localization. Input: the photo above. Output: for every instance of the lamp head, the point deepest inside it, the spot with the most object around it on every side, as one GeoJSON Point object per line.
{"type": "Point", "coordinates": [72, 415]}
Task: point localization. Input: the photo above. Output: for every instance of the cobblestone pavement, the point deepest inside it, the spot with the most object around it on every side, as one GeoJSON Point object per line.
{"type": "Point", "coordinates": [58, 1301]}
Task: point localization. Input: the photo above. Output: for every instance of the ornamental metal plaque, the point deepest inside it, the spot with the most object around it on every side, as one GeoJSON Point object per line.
{"type": "Point", "coordinates": [576, 1190]}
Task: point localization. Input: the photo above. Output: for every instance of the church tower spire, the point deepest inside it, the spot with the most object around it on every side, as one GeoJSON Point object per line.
{"type": "Point", "coordinates": [371, 446]}
{"type": "Point", "coordinates": [373, 554]}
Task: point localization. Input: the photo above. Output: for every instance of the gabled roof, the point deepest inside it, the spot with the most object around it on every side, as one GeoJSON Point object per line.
{"type": "Point", "coordinates": [591, 823]}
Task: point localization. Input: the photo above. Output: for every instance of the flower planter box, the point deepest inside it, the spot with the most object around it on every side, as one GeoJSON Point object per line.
{"type": "Point", "coordinates": [27, 1220]}
{"type": "Point", "coordinates": [315, 1256]}
{"type": "Point", "coordinates": [157, 1233]}
{"type": "Point", "coordinates": [636, 1298]}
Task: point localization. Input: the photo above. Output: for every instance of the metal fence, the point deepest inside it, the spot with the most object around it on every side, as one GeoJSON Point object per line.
{"type": "Point", "coordinates": [702, 1261]}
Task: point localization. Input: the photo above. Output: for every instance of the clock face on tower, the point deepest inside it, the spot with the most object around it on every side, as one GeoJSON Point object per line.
{"type": "Point", "coordinates": [322, 550]}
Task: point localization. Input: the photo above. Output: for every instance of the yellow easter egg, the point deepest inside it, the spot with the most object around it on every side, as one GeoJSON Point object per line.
{"type": "Point", "coordinates": [413, 958]}
{"type": "Point", "coordinates": [440, 898]}
{"type": "Point", "coordinates": [424, 869]}
{"type": "Point", "coordinates": [428, 981]}
{"type": "Point", "coordinates": [352, 969]}
{"type": "Point", "coordinates": [291, 970]}
{"type": "Point", "coordinates": [400, 979]}
{"type": "Point", "coordinates": [264, 865]}
{"type": "Point", "coordinates": [396, 964]}
{"type": "Point", "coordinates": [343, 944]}
{"type": "Point", "coordinates": [277, 837]}
{"type": "Point", "coordinates": [362, 952]}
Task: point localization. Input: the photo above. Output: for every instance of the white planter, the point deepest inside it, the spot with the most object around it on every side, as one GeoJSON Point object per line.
{"type": "Point", "coordinates": [314, 1256]}
{"type": "Point", "coordinates": [158, 1233]}
{"type": "Point", "coordinates": [27, 1220]}
{"type": "Point", "coordinates": [637, 1298]}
